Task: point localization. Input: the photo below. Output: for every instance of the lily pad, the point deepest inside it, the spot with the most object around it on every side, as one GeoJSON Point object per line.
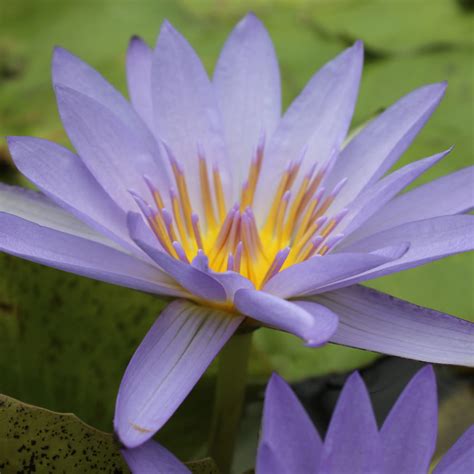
{"type": "Point", "coordinates": [65, 340]}
{"type": "Point", "coordinates": [396, 26]}
{"type": "Point", "coordinates": [33, 439]}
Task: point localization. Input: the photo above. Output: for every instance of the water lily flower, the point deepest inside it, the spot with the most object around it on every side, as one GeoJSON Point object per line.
{"type": "Point", "coordinates": [353, 444]}
{"type": "Point", "coordinates": [201, 191]}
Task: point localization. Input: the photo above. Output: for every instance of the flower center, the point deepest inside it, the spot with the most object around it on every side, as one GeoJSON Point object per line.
{"type": "Point", "coordinates": [296, 227]}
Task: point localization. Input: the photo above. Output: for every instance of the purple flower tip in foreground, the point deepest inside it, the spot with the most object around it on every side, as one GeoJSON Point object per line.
{"type": "Point", "coordinates": [405, 444]}
{"type": "Point", "coordinates": [152, 458]}
{"type": "Point", "coordinates": [201, 190]}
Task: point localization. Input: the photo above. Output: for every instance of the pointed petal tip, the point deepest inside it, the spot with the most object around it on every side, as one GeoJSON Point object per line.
{"type": "Point", "coordinates": [426, 374]}
{"type": "Point", "coordinates": [168, 28]}
{"type": "Point", "coordinates": [59, 51]}
{"type": "Point", "coordinates": [356, 52]}
{"type": "Point", "coordinates": [439, 156]}
{"type": "Point", "coordinates": [352, 55]}
{"type": "Point", "coordinates": [250, 19]}
{"type": "Point", "coordinates": [354, 380]}
{"type": "Point", "coordinates": [12, 140]}
{"type": "Point", "coordinates": [61, 56]}
{"type": "Point", "coordinates": [441, 87]}
{"type": "Point", "coordinates": [275, 380]}
{"type": "Point", "coordinates": [136, 42]}
{"type": "Point", "coordinates": [15, 145]}
{"type": "Point", "coordinates": [436, 90]}
{"type": "Point", "coordinates": [166, 24]}
{"type": "Point", "coordinates": [359, 45]}
{"type": "Point", "coordinates": [136, 39]}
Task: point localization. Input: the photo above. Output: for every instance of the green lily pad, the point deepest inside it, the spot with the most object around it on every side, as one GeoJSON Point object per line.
{"type": "Point", "coordinates": [395, 26]}
{"type": "Point", "coordinates": [65, 340]}
{"type": "Point", "coordinates": [33, 439]}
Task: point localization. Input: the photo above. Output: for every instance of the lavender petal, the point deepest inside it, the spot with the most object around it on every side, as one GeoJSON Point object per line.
{"type": "Point", "coordinates": [289, 442]}
{"type": "Point", "coordinates": [247, 84]}
{"type": "Point", "coordinates": [313, 323]}
{"type": "Point", "coordinates": [409, 432]}
{"type": "Point", "coordinates": [374, 321]}
{"type": "Point", "coordinates": [170, 360]}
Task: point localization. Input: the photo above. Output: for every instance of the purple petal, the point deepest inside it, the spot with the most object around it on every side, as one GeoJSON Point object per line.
{"type": "Point", "coordinates": [268, 461]}
{"type": "Point", "coordinates": [312, 322]}
{"type": "Point", "coordinates": [317, 121]}
{"type": "Point", "coordinates": [231, 281]}
{"type": "Point", "coordinates": [352, 443]}
{"type": "Point", "coordinates": [289, 440]}
{"type": "Point", "coordinates": [378, 322]}
{"type": "Point", "coordinates": [307, 277]}
{"type": "Point", "coordinates": [377, 195]}
{"type": "Point", "coordinates": [152, 458]}
{"type": "Point", "coordinates": [409, 433]}
{"type": "Point", "coordinates": [139, 60]}
{"type": "Point", "coordinates": [185, 108]}
{"type": "Point", "coordinates": [379, 145]}
{"type": "Point", "coordinates": [70, 71]}
{"type": "Point", "coordinates": [81, 256]}
{"type": "Point", "coordinates": [116, 154]}
{"type": "Point", "coordinates": [37, 208]}
{"type": "Point", "coordinates": [247, 83]}
{"type": "Point", "coordinates": [448, 195]}
{"type": "Point", "coordinates": [194, 280]}
{"type": "Point", "coordinates": [62, 176]}
{"type": "Point", "coordinates": [168, 363]}
{"type": "Point", "coordinates": [460, 457]}
{"type": "Point", "coordinates": [431, 239]}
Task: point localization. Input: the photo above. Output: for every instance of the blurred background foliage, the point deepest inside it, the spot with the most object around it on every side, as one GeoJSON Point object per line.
{"type": "Point", "coordinates": [65, 340]}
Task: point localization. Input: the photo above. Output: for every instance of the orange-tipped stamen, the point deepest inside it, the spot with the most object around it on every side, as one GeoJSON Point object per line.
{"type": "Point", "coordinates": [238, 257]}
{"type": "Point", "coordinates": [315, 243]}
{"type": "Point", "coordinates": [180, 252]}
{"type": "Point", "coordinates": [221, 238]}
{"type": "Point", "coordinates": [276, 265]}
{"type": "Point", "coordinates": [279, 221]}
{"type": "Point", "coordinates": [295, 207]}
{"type": "Point", "coordinates": [313, 228]}
{"type": "Point", "coordinates": [197, 231]}
{"type": "Point", "coordinates": [229, 243]}
{"type": "Point", "coordinates": [305, 221]}
{"type": "Point", "coordinates": [206, 192]}
{"type": "Point", "coordinates": [178, 216]}
{"type": "Point", "coordinates": [155, 193]}
{"type": "Point", "coordinates": [255, 234]}
{"type": "Point", "coordinates": [219, 191]}
{"type": "Point", "coordinates": [282, 187]}
{"type": "Point", "coordinates": [168, 220]}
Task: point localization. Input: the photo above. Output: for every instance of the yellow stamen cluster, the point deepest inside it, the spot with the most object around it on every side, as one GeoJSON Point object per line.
{"type": "Point", "coordinates": [295, 229]}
